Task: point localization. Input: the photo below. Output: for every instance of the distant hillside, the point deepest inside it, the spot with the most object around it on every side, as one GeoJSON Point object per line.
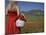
{"type": "Point", "coordinates": [34, 12]}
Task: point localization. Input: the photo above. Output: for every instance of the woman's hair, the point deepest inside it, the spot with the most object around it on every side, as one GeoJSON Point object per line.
{"type": "Point", "coordinates": [12, 5]}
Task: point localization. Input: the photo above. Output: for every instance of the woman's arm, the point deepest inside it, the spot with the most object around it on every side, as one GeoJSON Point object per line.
{"type": "Point", "coordinates": [18, 10]}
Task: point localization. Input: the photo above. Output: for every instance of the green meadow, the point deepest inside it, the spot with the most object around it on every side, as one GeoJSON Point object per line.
{"type": "Point", "coordinates": [34, 23]}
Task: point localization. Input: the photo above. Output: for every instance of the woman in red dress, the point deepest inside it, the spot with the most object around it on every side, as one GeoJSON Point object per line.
{"type": "Point", "coordinates": [13, 15]}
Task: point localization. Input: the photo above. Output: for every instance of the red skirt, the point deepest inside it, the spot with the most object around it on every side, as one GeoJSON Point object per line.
{"type": "Point", "coordinates": [11, 25]}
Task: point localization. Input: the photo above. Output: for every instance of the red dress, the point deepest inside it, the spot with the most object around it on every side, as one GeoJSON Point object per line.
{"type": "Point", "coordinates": [11, 23]}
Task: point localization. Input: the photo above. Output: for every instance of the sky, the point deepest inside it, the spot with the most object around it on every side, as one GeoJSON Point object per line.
{"type": "Point", "coordinates": [25, 6]}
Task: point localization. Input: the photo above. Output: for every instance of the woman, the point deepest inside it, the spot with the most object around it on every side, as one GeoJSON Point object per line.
{"type": "Point", "coordinates": [13, 13]}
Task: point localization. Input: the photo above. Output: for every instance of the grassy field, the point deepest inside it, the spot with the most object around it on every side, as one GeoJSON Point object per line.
{"type": "Point", "coordinates": [34, 24]}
